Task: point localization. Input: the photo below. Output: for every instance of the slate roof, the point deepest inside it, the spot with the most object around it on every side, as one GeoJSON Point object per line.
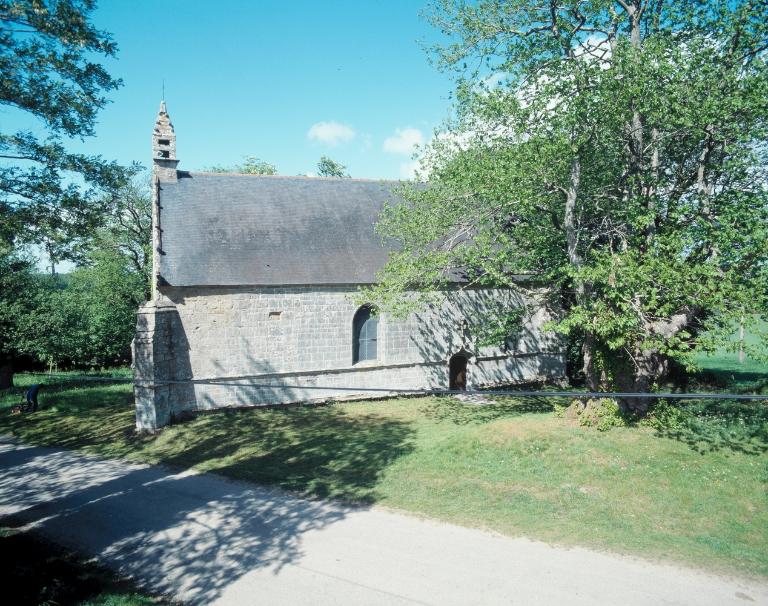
{"type": "Point", "coordinates": [227, 230]}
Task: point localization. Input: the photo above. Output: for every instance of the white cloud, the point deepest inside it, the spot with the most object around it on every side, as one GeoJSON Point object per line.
{"type": "Point", "coordinates": [460, 140]}
{"type": "Point", "coordinates": [408, 169]}
{"type": "Point", "coordinates": [495, 79]}
{"type": "Point", "coordinates": [595, 48]}
{"type": "Point", "coordinates": [404, 141]}
{"type": "Point", "coordinates": [331, 133]}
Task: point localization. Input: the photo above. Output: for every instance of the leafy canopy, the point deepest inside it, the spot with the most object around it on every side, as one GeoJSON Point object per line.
{"type": "Point", "coordinates": [327, 167]}
{"type": "Point", "coordinates": [250, 166]}
{"type": "Point", "coordinates": [615, 150]}
{"type": "Point", "coordinates": [47, 51]}
{"type": "Point", "coordinates": [88, 317]}
{"type": "Point", "coordinates": [18, 290]}
{"type": "Point", "coordinates": [126, 234]}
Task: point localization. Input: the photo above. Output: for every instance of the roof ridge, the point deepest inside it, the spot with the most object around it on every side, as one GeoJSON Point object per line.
{"type": "Point", "coordinates": [306, 177]}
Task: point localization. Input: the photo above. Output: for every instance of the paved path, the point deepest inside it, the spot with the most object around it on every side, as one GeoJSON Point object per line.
{"type": "Point", "coordinates": [208, 540]}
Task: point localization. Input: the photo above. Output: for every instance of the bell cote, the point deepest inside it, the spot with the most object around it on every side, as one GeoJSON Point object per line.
{"type": "Point", "coordinates": [164, 146]}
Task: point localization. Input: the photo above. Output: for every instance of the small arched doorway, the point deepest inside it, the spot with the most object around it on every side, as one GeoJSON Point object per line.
{"type": "Point", "coordinates": [365, 335]}
{"type": "Point", "coordinates": [457, 372]}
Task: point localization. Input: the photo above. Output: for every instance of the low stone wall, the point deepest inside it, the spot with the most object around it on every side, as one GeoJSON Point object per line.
{"type": "Point", "coordinates": [194, 348]}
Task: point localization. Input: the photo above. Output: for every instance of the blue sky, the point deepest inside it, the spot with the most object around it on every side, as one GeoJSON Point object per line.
{"type": "Point", "coordinates": [286, 82]}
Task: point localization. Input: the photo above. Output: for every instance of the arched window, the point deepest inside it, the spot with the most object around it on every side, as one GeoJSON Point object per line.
{"type": "Point", "coordinates": [365, 333]}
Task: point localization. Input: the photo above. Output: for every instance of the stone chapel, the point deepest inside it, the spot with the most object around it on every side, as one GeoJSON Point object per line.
{"type": "Point", "coordinates": [253, 285]}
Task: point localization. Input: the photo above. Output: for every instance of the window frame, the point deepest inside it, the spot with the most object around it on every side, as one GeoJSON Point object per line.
{"type": "Point", "coordinates": [363, 322]}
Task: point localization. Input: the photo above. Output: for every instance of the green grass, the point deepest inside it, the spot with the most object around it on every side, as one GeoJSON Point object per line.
{"type": "Point", "coordinates": [694, 492]}
{"type": "Point", "coordinates": [37, 572]}
{"type": "Point", "coordinates": [724, 369]}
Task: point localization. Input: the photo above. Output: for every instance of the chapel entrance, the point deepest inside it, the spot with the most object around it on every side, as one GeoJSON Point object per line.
{"type": "Point", "coordinates": [457, 372]}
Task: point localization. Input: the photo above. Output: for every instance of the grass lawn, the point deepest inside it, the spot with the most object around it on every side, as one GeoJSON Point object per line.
{"type": "Point", "coordinates": [694, 493]}
{"type": "Point", "coordinates": [725, 367]}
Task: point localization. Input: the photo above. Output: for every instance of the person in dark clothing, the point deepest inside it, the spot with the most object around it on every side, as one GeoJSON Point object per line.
{"type": "Point", "coordinates": [29, 399]}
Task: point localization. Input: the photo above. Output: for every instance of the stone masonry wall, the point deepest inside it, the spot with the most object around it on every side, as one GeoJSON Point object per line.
{"type": "Point", "coordinates": [298, 341]}
{"type": "Point", "coordinates": [156, 360]}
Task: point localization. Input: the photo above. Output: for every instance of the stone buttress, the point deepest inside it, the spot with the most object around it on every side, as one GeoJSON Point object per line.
{"type": "Point", "coordinates": [156, 347]}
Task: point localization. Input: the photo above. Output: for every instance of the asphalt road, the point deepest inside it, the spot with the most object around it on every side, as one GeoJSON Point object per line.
{"type": "Point", "coordinates": [204, 539]}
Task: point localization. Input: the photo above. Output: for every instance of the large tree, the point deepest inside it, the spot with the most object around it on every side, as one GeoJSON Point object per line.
{"type": "Point", "coordinates": [125, 236]}
{"type": "Point", "coordinates": [87, 318]}
{"type": "Point", "coordinates": [52, 85]}
{"type": "Point", "coordinates": [613, 149]}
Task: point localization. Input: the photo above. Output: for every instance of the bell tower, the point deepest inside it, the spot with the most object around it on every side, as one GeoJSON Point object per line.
{"type": "Point", "coordinates": [164, 146]}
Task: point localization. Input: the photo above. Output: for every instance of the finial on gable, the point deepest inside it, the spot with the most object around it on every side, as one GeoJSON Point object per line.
{"type": "Point", "coordinates": [164, 146]}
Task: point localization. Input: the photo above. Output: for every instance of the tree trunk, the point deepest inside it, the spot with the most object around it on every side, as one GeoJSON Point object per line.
{"type": "Point", "coordinates": [574, 258]}
{"type": "Point", "coordinates": [569, 221]}
{"type": "Point", "coordinates": [649, 366]}
{"type": "Point", "coordinates": [591, 375]}
{"type": "Point", "coordinates": [6, 375]}
{"type": "Point", "coordinates": [650, 190]}
{"type": "Point", "coordinates": [741, 339]}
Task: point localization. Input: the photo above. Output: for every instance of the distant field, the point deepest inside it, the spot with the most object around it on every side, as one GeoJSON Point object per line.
{"type": "Point", "coordinates": [725, 364]}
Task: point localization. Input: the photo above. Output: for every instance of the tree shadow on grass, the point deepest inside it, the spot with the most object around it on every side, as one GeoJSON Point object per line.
{"type": "Point", "coordinates": [197, 534]}
{"type": "Point", "coordinates": [460, 413]}
{"type": "Point", "coordinates": [314, 451]}
{"type": "Point", "coordinates": [99, 417]}
{"type": "Point", "coordinates": [735, 381]}
{"type": "Point", "coordinates": [714, 425]}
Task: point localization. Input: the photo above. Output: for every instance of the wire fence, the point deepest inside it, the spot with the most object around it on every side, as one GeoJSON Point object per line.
{"type": "Point", "coordinates": [64, 375]}
{"type": "Point", "coordinates": [248, 382]}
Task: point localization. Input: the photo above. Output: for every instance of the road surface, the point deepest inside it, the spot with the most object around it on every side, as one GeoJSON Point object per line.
{"type": "Point", "coordinates": [204, 539]}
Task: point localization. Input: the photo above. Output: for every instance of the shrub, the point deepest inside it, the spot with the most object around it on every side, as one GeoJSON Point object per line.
{"type": "Point", "coordinates": [664, 415]}
{"type": "Point", "coordinates": [602, 414]}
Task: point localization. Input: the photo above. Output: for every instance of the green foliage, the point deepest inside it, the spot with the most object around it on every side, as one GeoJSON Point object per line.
{"type": "Point", "coordinates": [85, 318]}
{"type": "Point", "coordinates": [250, 166]}
{"type": "Point", "coordinates": [47, 194]}
{"type": "Point", "coordinates": [666, 416]}
{"type": "Point", "coordinates": [18, 292]}
{"type": "Point", "coordinates": [499, 326]}
{"type": "Point", "coordinates": [88, 321]}
{"type": "Point", "coordinates": [603, 414]}
{"type": "Point", "coordinates": [621, 160]}
{"type": "Point", "coordinates": [330, 168]}
{"type": "Point", "coordinates": [125, 238]}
